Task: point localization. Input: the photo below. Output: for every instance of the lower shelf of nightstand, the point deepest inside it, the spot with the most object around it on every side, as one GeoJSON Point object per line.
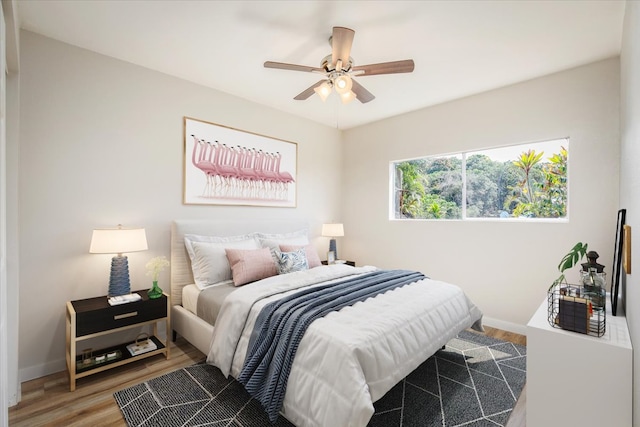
{"type": "Point", "coordinates": [124, 358]}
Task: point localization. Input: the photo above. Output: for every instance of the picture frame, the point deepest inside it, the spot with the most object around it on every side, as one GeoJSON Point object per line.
{"type": "Point", "coordinates": [331, 257]}
{"type": "Point", "coordinates": [617, 260]}
{"type": "Point", "coordinates": [228, 166]}
{"type": "Point", "coordinates": [626, 257]}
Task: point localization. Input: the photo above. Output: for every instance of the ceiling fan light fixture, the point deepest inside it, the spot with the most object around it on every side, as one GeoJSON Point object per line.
{"type": "Point", "coordinates": [343, 84]}
{"type": "Point", "coordinates": [347, 97]}
{"type": "Point", "coordinates": [323, 91]}
{"type": "Point", "coordinates": [337, 70]}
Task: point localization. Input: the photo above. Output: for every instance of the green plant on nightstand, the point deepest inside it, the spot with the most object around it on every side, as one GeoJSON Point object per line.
{"type": "Point", "coordinates": [154, 268]}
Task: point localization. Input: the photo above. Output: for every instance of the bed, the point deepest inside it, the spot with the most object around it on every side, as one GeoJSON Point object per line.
{"type": "Point", "coordinates": [344, 360]}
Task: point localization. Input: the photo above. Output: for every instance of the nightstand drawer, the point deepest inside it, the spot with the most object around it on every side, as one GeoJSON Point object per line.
{"type": "Point", "coordinates": [96, 315]}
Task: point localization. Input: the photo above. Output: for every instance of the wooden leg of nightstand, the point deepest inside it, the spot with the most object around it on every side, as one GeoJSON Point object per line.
{"type": "Point", "coordinates": [167, 327]}
{"type": "Point", "coordinates": [71, 346]}
{"type": "Point", "coordinates": [167, 341]}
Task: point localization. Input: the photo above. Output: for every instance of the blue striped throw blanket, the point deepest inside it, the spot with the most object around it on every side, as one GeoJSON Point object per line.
{"type": "Point", "coordinates": [281, 324]}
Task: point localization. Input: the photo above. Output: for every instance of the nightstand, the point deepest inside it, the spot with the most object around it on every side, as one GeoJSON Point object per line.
{"type": "Point", "coordinates": [94, 317]}
{"type": "Point", "coordinates": [351, 263]}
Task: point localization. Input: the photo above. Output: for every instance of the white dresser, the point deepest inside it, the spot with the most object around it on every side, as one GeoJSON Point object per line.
{"type": "Point", "coordinates": [575, 379]}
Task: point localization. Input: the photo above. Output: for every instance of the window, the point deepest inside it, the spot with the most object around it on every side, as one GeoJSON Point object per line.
{"type": "Point", "coordinates": [521, 181]}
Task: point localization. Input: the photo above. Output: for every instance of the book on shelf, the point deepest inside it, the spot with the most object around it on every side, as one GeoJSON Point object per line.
{"type": "Point", "coordinates": [574, 313]}
{"type": "Point", "coordinates": [140, 347]}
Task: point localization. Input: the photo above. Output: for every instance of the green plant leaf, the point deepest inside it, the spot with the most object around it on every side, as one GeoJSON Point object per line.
{"type": "Point", "coordinates": [573, 257]}
{"type": "Point", "coordinates": [557, 282]}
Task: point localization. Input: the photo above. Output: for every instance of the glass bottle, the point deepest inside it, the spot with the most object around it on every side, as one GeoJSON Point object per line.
{"type": "Point", "coordinates": [594, 283]}
{"type": "Point", "coordinates": [593, 280]}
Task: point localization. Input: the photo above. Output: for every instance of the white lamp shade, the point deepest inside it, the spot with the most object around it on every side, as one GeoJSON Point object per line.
{"type": "Point", "coordinates": [323, 91]}
{"type": "Point", "coordinates": [347, 97]}
{"type": "Point", "coordinates": [332, 230]}
{"type": "Point", "coordinates": [343, 84]}
{"type": "Point", "coordinates": [118, 240]}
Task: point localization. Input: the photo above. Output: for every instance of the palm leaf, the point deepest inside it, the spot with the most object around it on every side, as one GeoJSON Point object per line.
{"type": "Point", "coordinates": [573, 257]}
{"type": "Point", "coordinates": [537, 157]}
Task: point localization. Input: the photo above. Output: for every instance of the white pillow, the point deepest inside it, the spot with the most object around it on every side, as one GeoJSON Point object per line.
{"type": "Point", "coordinates": [273, 241]}
{"type": "Point", "coordinates": [208, 257]}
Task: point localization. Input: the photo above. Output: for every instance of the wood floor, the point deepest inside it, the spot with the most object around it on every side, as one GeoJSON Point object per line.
{"type": "Point", "coordinates": [47, 401]}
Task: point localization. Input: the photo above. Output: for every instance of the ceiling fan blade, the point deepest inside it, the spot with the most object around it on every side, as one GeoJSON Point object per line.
{"type": "Point", "coordinates": [292, 67]}
{"type": "Point", "coordinates": [341, 41]}
{"type": "Point", "coordinates": [308, 92]}
{"type": "Point", "coordinates": [363, 95]}
{"type": "Point", "coordinates": [405, 66]}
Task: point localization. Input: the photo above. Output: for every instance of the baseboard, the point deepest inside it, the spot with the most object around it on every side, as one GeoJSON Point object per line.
{"type": "Point", "coordinates": [15, 396]}
{"type": "Point", "coordinates": [33, 372]}
{"type": "Point", "coordinates": [505, 326]}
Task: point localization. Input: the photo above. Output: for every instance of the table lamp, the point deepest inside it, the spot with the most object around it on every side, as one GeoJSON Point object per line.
{"type": "Point", "coordinates": [118, 241]}
{"type": "Point", "coordinates": [333, 231]}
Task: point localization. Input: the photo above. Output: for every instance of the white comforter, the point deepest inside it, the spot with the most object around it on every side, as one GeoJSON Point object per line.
{"type": "Point", "coordinates": [350, 358]}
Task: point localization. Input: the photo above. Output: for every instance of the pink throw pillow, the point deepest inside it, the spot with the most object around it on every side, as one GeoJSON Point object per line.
{"type": "Point", "coordinates": [310, 251]}
{"type": "Point", "coordinates": [249, 265]}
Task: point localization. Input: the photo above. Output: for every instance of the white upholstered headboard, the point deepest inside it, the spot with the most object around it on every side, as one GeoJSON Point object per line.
{"type": "Point", "coordinates": [181, 274]}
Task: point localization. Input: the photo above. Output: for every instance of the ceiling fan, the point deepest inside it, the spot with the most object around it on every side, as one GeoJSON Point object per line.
{"type": "Point", "coordinates": [338, 70]}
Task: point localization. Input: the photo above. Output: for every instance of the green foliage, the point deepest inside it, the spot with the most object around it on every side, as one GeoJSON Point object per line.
{"type": "Point", "coordinates": [483, 192]}
{"type": "Point", "coordinates": [431, 188]}
{"type": "Point", "coordinates": [526, 162]}
{"type": "Point", "coordinates": [542, 191]}
{"type": "Point", "coordinates": [530, 186]}
{"type": "Point", "coordinates": [412, 190]}
{"type": "Point", "coordinates": [554, 193]}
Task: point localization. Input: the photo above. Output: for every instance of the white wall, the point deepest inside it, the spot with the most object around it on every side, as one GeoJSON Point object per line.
{"type": "Point", "coordinates": [10, 198]}
{"type": "Point", "coordinates": [4, 329]}
{"type": "Point", "coordinates": [506, 268]}
{"type": "Point", "coordinates": [630, 175]}
{"type": "Point", "coordinates": [13, 98]}
{"type": "Point", "coordinates": [101, 143]}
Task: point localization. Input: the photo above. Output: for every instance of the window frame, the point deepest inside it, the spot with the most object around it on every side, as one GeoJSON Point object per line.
{"type": "Point", "coordinates": [565, 142]}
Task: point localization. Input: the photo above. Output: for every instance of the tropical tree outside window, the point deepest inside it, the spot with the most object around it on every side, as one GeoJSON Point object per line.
{"type": "Point", "coordinates": [521, 181]}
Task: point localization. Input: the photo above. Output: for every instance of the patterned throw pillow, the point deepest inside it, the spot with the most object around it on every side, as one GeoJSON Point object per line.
{"type": "Point", "coordinates": [310, 251]}
{"type": "Point", "coordinates": [288, 262]}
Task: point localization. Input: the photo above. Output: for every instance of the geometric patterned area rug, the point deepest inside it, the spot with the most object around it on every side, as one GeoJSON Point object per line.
{"type": "Point", "coordinates": [474, 381]}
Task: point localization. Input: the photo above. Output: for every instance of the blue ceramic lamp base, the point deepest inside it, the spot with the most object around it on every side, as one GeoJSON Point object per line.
{"type": "Point", "coordinates": [119, 283]}
{"type": "Point", "coordinates": [332, 247]}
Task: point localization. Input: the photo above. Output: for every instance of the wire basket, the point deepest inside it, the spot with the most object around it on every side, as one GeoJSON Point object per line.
{"type": "Point", "coordinates": [577, 308]}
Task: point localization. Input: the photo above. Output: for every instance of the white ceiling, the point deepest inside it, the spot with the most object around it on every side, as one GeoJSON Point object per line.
{"type": "Point", "coordinates": [460, 48]}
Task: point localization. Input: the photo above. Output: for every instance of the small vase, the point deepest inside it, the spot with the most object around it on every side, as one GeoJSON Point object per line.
{"type": "Point", "coordinates": [155, 291]}
{"type": "Point", "coordinates": [594, 287]}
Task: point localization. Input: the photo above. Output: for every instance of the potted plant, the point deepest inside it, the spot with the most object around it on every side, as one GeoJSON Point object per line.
{"type": "Point", "coordinates": [154, 268]}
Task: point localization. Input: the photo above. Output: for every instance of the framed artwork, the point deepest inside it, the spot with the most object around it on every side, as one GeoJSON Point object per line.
{"type": "Point", "coordinates": [617, 260]}
{"type": "Point", "coordinates": [331, 257]}
{"type": "Point", "coordinates": [626, 245]}
{"type": "Point", "coordinates": [227, 166]}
